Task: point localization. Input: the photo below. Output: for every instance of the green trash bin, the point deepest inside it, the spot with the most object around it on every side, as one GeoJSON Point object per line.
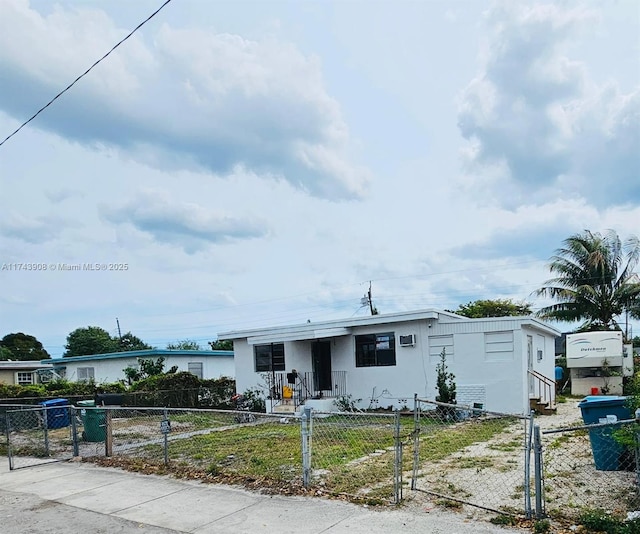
{"type": "Point", "coordinates": [94, 421]}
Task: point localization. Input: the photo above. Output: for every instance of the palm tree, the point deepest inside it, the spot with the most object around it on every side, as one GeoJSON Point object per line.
{"type": "Point", "coordinates": [594, 280]}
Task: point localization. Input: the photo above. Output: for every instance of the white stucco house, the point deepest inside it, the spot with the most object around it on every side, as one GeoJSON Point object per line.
{"type": "Point", "coordinates": [109, 368]}
{"type": "Point", "coordinates": [383, 360]}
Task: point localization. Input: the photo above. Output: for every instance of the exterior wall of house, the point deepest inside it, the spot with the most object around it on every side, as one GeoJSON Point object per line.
{"type": "Point", "coordinates": [9, 371]}
{"type": "Point", "coordinates": [489, 359]}
{"type": "Point", "coordinates": [7, 376]}
{"type": "Point", "coordinates": [108, 370]}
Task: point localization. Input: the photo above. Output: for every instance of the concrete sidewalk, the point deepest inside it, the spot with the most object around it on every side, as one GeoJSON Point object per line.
{"type": "Point", "coordinates": [81, 498]}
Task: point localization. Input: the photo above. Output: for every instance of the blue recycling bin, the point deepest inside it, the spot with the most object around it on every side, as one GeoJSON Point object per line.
{"type": "Point", "coordinates": [57, 411]}
{"type": "Point", "coordinates": [608, 454]}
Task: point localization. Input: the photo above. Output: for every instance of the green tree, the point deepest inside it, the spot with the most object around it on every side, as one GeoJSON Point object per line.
{"type": "Point", "coordinates": [22, 347]}
{"type": "Point", "coordinates": [5, 354]}
{"type": "Point", "coordinates": [89, 340]}
{"type": "Point", "coordinates": [226, 344]}
{"type": "Point", "coordinates": [445, 381]}
{"type": "Point", "coordinates": [594, 280]}
{"type": "Point", "coordinates": [96, 340]}
{"type": "Point", "coordinates": [129, 342]}
{"type": "Point", "coordinates": [493, 308]}
{"type": "Point", "coordinates": [185, 344]}
{"type": "Point", "coordinates": [146, 369]}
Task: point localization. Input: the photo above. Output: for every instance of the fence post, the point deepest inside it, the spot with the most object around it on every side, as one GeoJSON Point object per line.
{"type": "Point", "coordinates": [416, 441]}
{"type": "Point", "coordinates": [108, 442]}
{"type": "Point", "coordinates": [46, 429]}
{"type": "Point", "coordinates": [8, 432]}
{"type": "Point", "coordinates": [528, 436]}
{"type": "Point", "coordinates": [637, 451]}
{"type": "Point", "coordinates": [397, 461]}
{"type": "Point", "coordinates": [74, 431]}
{"type": "Point", "coordinates": [538, 466]}
{"type": "Point", "coordinates": [165, 432]}
{"type": "Point", "coordinates": [305, 422]}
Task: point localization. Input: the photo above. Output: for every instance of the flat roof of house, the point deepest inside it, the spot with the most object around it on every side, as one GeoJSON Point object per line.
{"type": "Point", "coordinates": [150, 353]}
{"type": "Point", "coordinates": [26, 365]}
{"type": "Point", "coordinates": [342, 327]}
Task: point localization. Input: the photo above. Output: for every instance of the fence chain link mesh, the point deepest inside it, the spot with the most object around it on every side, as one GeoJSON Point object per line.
{"type": "Point", "coordinates": [472, 456]}
{"type": "Point", "coordinates": [358, 455]}
{"type": "Point", "coordinates": [36, 435]}
{"type": "Point", "coordinates": [591, 467]}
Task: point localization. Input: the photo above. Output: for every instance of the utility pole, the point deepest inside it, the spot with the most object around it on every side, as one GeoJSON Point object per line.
{"type": "Point", "coordinates": [372, 308]}
{"type": "Point", "coordinates": [119, 332]}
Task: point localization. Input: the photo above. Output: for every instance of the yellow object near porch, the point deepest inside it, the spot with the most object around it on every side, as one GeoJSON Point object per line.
{"type": "Point", "coordinates": [287, 392]}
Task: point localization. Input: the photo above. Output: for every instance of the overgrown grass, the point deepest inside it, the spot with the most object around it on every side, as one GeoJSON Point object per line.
{"type": "Point", "coordinates": [351, 456]}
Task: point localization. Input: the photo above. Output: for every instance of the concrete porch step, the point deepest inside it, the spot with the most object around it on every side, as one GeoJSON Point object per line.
{"type": "Point", "coordinates": [541, 407]}
{"type": "Point", "coordinates": [285, 408]}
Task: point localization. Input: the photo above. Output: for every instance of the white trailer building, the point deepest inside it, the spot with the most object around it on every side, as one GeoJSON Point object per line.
{"type": "Point", "coordinates": [597, 362]}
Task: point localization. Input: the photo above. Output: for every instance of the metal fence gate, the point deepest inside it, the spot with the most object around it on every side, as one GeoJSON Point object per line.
{"type": "Point", "coordinates": [473, 456]}
{"type": "Point", "coordinates": [38, 434]}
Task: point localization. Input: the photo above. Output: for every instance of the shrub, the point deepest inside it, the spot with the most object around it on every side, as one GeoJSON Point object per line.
{"type": "Point", "coordinates": [346, 403]}
{"type": "Point", "coordinates": [255, 401]}
{"type": "Point", "coordinates": [601, 521]}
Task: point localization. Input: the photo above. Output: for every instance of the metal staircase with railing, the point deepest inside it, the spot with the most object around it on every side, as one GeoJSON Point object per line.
{"type": "Point", "coordinates": [543, 398]}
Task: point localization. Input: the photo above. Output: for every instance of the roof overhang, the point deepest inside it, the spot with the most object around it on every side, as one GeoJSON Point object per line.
{"type": "Point", "coordinates": [341, 327]}
{"type": "Point", "coordinates": [302, 335]}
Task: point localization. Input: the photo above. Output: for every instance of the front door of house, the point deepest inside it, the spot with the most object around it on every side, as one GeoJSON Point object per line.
{"type": "Point", "coordinates": [321, 366]}
{"type": "Point", "coordinates": [532, 386]}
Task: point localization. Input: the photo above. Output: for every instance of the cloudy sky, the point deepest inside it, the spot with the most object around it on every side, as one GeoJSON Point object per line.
{"type": "Point", "coordinates": [258, 163]}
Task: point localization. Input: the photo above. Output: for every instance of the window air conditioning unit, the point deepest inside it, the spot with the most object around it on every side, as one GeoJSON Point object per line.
{"type": "Point", "coordinates": [408, 341]}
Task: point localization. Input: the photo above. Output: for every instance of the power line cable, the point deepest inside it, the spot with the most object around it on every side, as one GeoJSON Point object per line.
{"type": "Point", "coordinates": [84, 73]}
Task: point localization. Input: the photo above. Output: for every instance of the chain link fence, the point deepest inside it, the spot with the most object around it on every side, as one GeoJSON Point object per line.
{"type": "Point", "coordinates": [36, 435]}
{"type": "Point", "coordinates": [469, 455]}
{"type": "Point", "coordinates": [499, 462]}
{"type": "Point", "coordinates": [358, 454]}
{"type": "Point", "coordinates": [352, 454]}
{"type": "Point", "coordinates": [590, 467]}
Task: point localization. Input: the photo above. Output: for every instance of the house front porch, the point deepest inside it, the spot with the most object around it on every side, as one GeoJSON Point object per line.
{"type": "Point", "coordinates": [289, 391]}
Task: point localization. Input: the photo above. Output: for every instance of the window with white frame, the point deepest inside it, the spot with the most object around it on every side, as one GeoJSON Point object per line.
{"type": "Point", "coordinates": [86, 374]}
{"type": "Point", "coordinates": [195, 368]}
{"type": "Point", "coordinates": [24, 378]}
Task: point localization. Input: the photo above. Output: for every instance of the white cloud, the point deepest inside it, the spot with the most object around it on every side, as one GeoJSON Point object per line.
{"type": "Point", "coordinates": [190, 98]}
{"type": "Point", "coordinates": [60, 195]}
{"type": "Point", "coordinates": [34, 229]}
{"type": "Point", "coordinates": [183, 224]}
{"type": "Point", "coordinates": [538, 124]}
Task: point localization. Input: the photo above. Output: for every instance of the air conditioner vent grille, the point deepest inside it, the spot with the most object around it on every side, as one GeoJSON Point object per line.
{"type": "Point", "coordinates": [408, 340]}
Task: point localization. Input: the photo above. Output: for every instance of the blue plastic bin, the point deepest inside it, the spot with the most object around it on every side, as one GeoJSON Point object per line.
{"type": "Point", "coordinates": [57, 413]}
{"type": "Point", "coordinates": [608, 454]}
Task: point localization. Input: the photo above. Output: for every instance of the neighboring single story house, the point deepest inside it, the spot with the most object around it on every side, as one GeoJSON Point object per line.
{"type": "Point", "coordinates": [108, 368]}
{"type": "Point", "coordinates": [383, 360]}
{"type": "Point", "coordinates": [25, 373]}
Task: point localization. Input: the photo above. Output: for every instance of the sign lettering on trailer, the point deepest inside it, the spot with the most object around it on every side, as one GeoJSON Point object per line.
{"type": "Point", "coordinates": [588, 349]}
